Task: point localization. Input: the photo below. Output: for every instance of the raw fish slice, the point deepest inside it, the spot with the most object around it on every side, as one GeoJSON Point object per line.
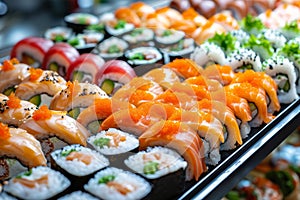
{"type": "Point", "coordinates": [210, 84]}
{"type": "Point", "coordinates": [18, 143]}
{"type": "Point", "coordinates": [142, 9]}
{"type": "Point", "coordinates": [256, 96]}
{"type": "Point", "coordinates": [183, 139]}
{"type": "Point", "coordinates": [196, 92]}
{"type": "Point", "coordinates": [129, 15]}
{"type": "Point", "coordinates": [47, 123]}
{"type": "Point", "coordinates": [226, 20]}
{"type": "Point", "coordinates": [163, 76]}
{"type": "Point", "coordinates": [264, 81]}
{"type": "Point", "coordinates": [15, 111]}
{"type": "Point", "coordinates": [142, 83]}
{"type": "Point", "coordinates": [222, 73]}
{"type": "Point", "coordinates": [171, 14]}
{"type": "Point", "coordinates": [76, 95]}
{"type": "Point", "coordinates": [194, 16]}
{"type": "Point", "coordinates": [225, 115]}
{"type": "Point", "coordinates": [12, 73]}
{"type": "Point", "coordinates": [156, 21]}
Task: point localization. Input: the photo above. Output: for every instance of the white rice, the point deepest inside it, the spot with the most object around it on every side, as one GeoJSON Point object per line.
{"type": "Point", "coordinates": [173, 37]}
{"type": "Point", "coordinates": [77, 167]}
{"type": "Point", "coordinates": [208, 52]}
{"type": "Point", "coordinates": [57, 183]}
{"type": "Point", "coordinates": [117, 32]}
{"type": "Point", "coordinates": [144, 51]}
{"type": "Point", "coordinates": [188, 47]}
{"type": "Point", "coordinates": [72, 18]}
{"type": "Point", "coordinates": [78, 195]}
{"type": "Point", "coordinates": [274, 36]}
{"type": "Point", "coordinates": [129, 144]}
{"type": "Point", "coordinates": [140, 187]}
{"type": "Point", "coordinates": [240, 35]}
{"type": "Point", "coordinates": [92, 36]}
{"type": "Point", "coordinates": [104, 46]}
{"type": "Point", "coordinates": [145, 35]}
{"type": "Point", "coordinates": [51, 33]}
{"type": "Point", "coordinates": [168, 161]}
{"type": "Point", "coordinates": [5, 196]}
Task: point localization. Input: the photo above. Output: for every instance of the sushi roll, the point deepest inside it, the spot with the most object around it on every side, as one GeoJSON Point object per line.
{"type": "Point", "coordinates": [78, 163]}
{"type": "Point", "coordinates": [162, 167]}
{"type": "Point", "coordinates": [113, 183]}
{"type": "Point", "coordinates": [165, 37]}
{"type": "Point", "coordinates": [85, 67]}
{"type": "Point", "coordinates": [59, 58]}
{"type": "Point", "coordinates": [227, 42]}
{"type": "Point", "coordinates": [40, 87]}
{"type": "Point", "coordinates": [19, 144]}
{"type": "Point", "coordinates": [226, 20]}
{"type": "Point", "coordinates": [243, 59]}
{"type": "Point", "coordinates": [80, 21]}
{"type": "Point", "coordinates": [78, 195]}
{"type": "Point", "coordinates": [140, 37]}
{"type": "Point", "coordinates": [118, 27]}
{"type": "Point", "coordinates": [252, 25]}
{"type": "Point", "coordinates": [291, 30]}
{"type": "Point", "coordinates": [207, 54]}
{"type": "Point", "coordinates": [284, 73]}
{"type": "Point", "coordinates": [31, 50]}
{"type": "Point", "coordinates": [142, 9]}
{"type": "Point", "coordinates": [182, 49]}
{"type": "Point", "coordinates": [112, 48]}
{"type": "Point", "coordinates": [58, 33]}
{"type": "Point", "coordinates": [12, 73]}
{"type": "Point", "coordinates": [85, 42]}
{"type": "Point", "coordinates": [75, 97]}
{"type": "Point", "coordinates": [128, 15]}
{"type": "Point", "coordinates": [240, 35]}
{"type": "Point", "coordinates": [142, 56]}
{"type": "Point", "coordinates": [263, 47]}
{"type": "Point", "coordinates": [116, 73]}
{"type": "Point", "coordinates": [275, 37]}
{"type": "Point", "coordinates": [37, 183]}
{"type": "Point", "coordinates": [115, 144]}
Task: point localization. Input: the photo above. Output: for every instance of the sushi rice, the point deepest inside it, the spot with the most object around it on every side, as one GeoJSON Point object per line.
{"type": "Point", "coordinates": [56, 183]}
{"type": "Point", "coordinates": [77, 167]}
{"type": "Point", "coordinates": [78, 195]}
{"type": "Point", "coordinates": [136, 186]}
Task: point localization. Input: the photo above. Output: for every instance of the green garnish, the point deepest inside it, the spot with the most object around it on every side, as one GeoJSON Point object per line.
{"type": "Point", "coordinates": [82, 20]}
{"type": "Point", "coordinates": [292, 26]}
{"type": "Point", "coordinates": [295, 168]}
{"type": "Point", "coordinates": [245, 67]}
{"type": "Point", "coordinates": [101, 142]}
{"type": "Point", "coordinates": [94, 126]}
{"type": "Point", "coordinates": [108, 86]}
{"type": "Point", "coordinates": [167, 33]}
{"type": "Point", "coordinates": [233, 195]}
{"type": "Point", "coordinates": [251, 24]}
{"type": "Point", "coordinates": [28, 173]}
{"type": "Point", "coordinates": [74, 112]}
{"type": "Point", "coordinates": [252, 106]}
{"type": "Point", "coordinates": [77, 75]}
{"type": "Point", "coordinates": [283, 82]}
{"type": "Point", "coordinates": [137, 56]}
{"type": "Point", "coordinates": [136, 32]}
{"type": "Point", "coordinates": [120, 24]}
{"type": "Point", "coordinates": [178, 47]}
{"type": "Point", "coordinates": [150, 167]}
{"type": "Point", "coordinates": [9, 90]}
{"type": "Point", "coordinates": [59, 38]}
{"type": "Point", "coordinates": [225, 41]}
{"type": "Point", "coordinates": [260, 45]}
{"type": "Point", "coordinates": [96, 27]}
{"type": "Point", "coordinates": [53, 66]}
{"type": "Point", "coordinates": [106, 179]}
{"type": "Point", "coordinates": [113, 49]}
{"type": "Point", "coordinates": [36, 100]}
{"type": "Point", "coordinates": [291, 49]}
{"type": "Point", "coordinates": [283, 179]}
{"type": "Point", "coordinates": [65, 153]}
{"type": "Point", "coordinates": [74, 41]}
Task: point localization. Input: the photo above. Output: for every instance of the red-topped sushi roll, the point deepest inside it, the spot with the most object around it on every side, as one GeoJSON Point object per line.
{"type": "Point", "coordinates": [85, 68]}
{"type": "Point", "coordinates": [59, 58]}
{"type": "Point", "coordinates": [31, 50]}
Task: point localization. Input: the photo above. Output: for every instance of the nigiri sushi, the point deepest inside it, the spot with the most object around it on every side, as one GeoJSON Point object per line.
{"type": "Point", "coordinates": [18, 143]}
{"type": "Point", "coordinates": [46, 123]}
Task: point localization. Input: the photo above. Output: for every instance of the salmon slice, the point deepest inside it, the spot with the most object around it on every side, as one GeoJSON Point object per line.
{"type": "Point", "coordinates": [32, 183]}
{"type": "Point", "coordinates": [75, 155]}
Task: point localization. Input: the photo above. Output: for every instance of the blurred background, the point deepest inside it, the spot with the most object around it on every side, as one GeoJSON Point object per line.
{"type": "Point", "coordinates": [20, 19]}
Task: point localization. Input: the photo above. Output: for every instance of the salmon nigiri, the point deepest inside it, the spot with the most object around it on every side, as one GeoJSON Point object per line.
{"type": "Point", "coordinates": [46, 123]}
{"type": "Point", "coordinates": [183, 139]}
{"type": "Point", "coordinates": [17, 143]}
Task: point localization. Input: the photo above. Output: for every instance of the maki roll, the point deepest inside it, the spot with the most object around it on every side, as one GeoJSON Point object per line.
{"type": "Point", "coordinates": [78, 195]}
{"type": "Point", "coordinates": [113, 183]}
{"type": "Point", "coordinates": [31, 50]}
{"type": "Point", "coordinates": [59, 58]}
{"type": "Point", "coordinates": [85, 68]}
{"type": "Point", "coordinates": [80, 21]}
{"type": "Point", "coordinates": [115, 144]}
{"type": "Point", "coordinates": [162, 167]}
{"type": "Point", "coordinates": [37, 183]}
{"type": "Point", "coordinates": [291, 30]}
{"type": "Point", "coordinates": [207, 54]}
{"type": "Point", "coordinates": [240, 35]}
{"type": "Point", "coordinates": [252, 25]}
{"type": "Point", "coordinates": [142, 56]}
{"type": "Point", "coordinates": [118, 27]}
{"type": "Point", "coordinates": [183, 48]}
{"type": "Point", "coordinates": [58, 33]}
{"type": "Point", "coordinates": [116, 73]}
{"type": "Point", "coordinates": [227, 42]}
{"type": "Point", "coordinates": [275, 37]}
{"type": "Point", "coordinates": [140, 37]}
{"type": "Point", "coordinates": [78, 163]}
{"type": "Point", "coordinates": [243, 59]}
{"type": "Point", "coordinates": [112, 48]}
{"type": "Point", "coordinates": [166, 37]}
{"type": "Point", "coordinates": [284, 73]}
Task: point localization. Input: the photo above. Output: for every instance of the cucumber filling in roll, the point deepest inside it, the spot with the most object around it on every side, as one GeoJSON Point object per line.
{"type": "Point", "coordinates": [94, 126]}
{"type": "Point", "coordinates": [74, 112]}
{"type": "Point", "coordinates": [9, 90]}
{"type": "Point", "coordinates": [253, 109]}
{"type": "Point", "coordinates": [29, 60]}
{"type": "Point", "coordinates": [110, 86]}
{"type": "Point", "coordinates": [82, 77]}
{"type": "Point", "coordinates": [61, 70]}
{"type": "Point", "coordinates": [40, 99]}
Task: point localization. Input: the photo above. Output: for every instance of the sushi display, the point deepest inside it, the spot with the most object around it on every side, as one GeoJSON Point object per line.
{"type": "Point", "coordinates": [142, 102]}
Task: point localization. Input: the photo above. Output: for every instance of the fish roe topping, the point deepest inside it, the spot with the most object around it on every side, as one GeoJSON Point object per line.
{"type": "Point", "coordinates": [13, 101]}
{"type": "Point", "coordinates": [4, 132]}
{"type": "Point", "coordinates": [140, 96]}
{"type": "Point", "coordinates": [8, 65]}
{"type": "Point", "coordinates": [169, 128]}
{"type": "Point", "coordinates": [103, 106]}
{"type": "Point", "coordinates": [42, 113]}
{"type": "Point", "coordinates": [35, 74]}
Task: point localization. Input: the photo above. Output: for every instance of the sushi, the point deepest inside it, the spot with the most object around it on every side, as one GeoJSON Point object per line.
{"type": "Point", "coordinates": [31, 50]}
{"type": "Point", "coordinates": [46, 123]}
{"type": "Point", "coordinates": [113, 183]}
{"type": "Point", "coordinates": [59, 58]}
{"type": "Point", "coordinates": [40, 86]}
{"type": "Point", "coordinates": [18, 143]}
{"type": "Point", "coordinates": [37, 183]}
{"type": "Point", "coordinates": [12, 73]}
{"type": "Point", "coordinates": [227, 42]}
{"type": "Point", "coordinates": [252, 25]}
{"type": "Point", "coordinates": [112, 48]}
{"type": "Point", "coordinates": [85, 68]}
{"type": "Point", "coordinates": [58, 33]}
{"type": "Point", "coordinates": [165, 37]}
{"type": "Point", "coordinates": [182, 49]}
{"type": "Point", "coordinates": [140, 37]}
{"type": "Point", "coordinates": [80, 21]}
{"type": "Point", "coordinates": [85, 42]}
{"type": "Point", "coordinates": [263, 47]}
{"type": "Point", "coordinates": [128, 15]}
{"type": "Point", "coordinates": [275, 37]}
{"type": "Point", "coordinates": [118, 27]}
{"type": "Point", "coordinates": [78, 195]}
{"type": "Point", "coordinates": [143, 56]}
